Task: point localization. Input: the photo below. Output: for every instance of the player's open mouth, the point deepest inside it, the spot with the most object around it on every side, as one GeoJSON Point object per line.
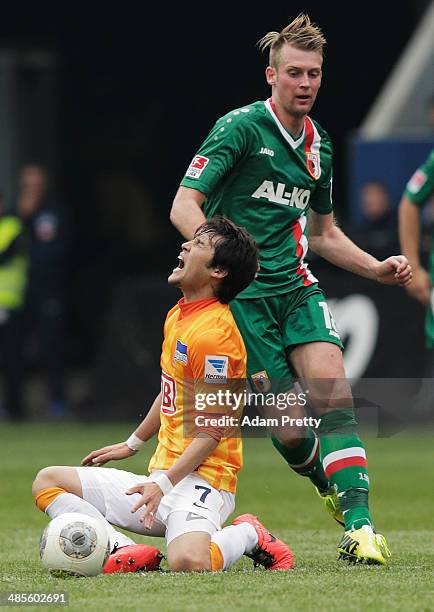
{"type": "Point", "coordinates": [303, 98]}
{"type": "Point", "coordinates": [180, 263]}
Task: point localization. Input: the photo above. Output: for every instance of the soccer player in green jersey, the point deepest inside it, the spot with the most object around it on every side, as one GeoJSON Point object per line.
{"type": "Point", "coordinates": [420, 188]}
{"type": "Point", "coordinates": [268, 167]}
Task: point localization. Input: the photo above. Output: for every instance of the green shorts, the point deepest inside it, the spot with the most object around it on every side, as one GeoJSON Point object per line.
{"type": "Point", "coordinates": [272, 325]}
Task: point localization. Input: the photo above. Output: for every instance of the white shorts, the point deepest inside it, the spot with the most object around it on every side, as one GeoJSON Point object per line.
{"type": "Point", "coordinates": [192, 505]}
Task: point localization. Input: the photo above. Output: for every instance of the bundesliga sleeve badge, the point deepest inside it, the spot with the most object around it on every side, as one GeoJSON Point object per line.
{"type": "Point", "coordinates": [197, 166]}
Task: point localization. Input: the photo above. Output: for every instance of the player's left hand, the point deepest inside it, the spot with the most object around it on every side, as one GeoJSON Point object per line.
{"type": "Point", "coordinates": [151, 495]}
{"type": "Point", "coordinates": [394, 270]}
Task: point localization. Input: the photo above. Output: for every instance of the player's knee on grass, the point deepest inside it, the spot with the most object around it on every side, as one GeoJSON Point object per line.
{"type": "Point", "coordinates": [190, 552]}
{"type": "Point", "coordinates": [62, 476]}
{"type": "Point", "coordinates": [190, 562]}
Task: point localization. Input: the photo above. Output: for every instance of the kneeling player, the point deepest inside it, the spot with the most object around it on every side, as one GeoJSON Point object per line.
{"type": "Point", "coordinates": [190, 491]}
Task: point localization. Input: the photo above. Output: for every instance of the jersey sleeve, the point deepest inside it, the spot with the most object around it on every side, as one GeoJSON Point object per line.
{"type": "Point", "coordinates": [219, 153]}
{"type": "Point", "coordinates": [421, 185]}
{"type": "Point", "coordinates": [321, 200]}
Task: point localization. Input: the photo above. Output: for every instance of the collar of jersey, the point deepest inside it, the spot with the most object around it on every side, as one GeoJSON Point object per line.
{"type": "Point", "coordinates": [195, 306]}
{"type": "Point", "coordinates": [287, 136]}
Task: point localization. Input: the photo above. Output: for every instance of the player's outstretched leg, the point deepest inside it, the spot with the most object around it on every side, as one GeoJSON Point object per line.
{"type": "Point", "coordinates": [208, 550]}
{"type": "Point", "coordinates": [126, 556]}
{"type": "Point", "coordinates": [344, 462]}
{"type": "Point", "coordinates": [305, 460]}
{"type": "Point", "coordinates": [268, 551]}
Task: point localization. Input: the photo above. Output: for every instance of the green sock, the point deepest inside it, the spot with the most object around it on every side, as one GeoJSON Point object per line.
{"type": "Point", "coordinates": [344, 462]}
{"type": "Point", "coordinates": [305, 459]}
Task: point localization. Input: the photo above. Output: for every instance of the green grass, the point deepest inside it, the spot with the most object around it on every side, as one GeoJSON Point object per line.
{"type": "Point", "coordinates": [401, 501]}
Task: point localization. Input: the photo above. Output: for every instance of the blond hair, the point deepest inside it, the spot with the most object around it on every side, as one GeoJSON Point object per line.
{"type": "Point", "coordinates": [301, 33]}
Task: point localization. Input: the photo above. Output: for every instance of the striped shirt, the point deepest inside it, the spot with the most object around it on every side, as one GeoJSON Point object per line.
{"type": "Point", "coordinates": [202, 349]}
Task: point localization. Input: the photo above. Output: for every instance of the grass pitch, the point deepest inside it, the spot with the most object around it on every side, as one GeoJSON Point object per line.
{"type": "Point", "coordinates": [401, 502]}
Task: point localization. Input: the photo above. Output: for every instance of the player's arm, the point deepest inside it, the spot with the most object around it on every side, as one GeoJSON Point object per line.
{"type": "Point", "coordinates": [206, 441]}
{"type": "Point", "coordinates": [152, 492]}
{"type": "Point", "coordinates": [330, 242]}
{"type": "Point", "coordinates": [114, 452]}
{"type": "Point", "coordinates": [409, 236]}
{"type": "Point", "coordinates": [186, 213]}
{"type": "Point", "coordinates": [216, 157]}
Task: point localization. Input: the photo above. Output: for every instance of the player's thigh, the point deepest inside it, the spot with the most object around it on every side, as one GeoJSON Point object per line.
{"type": "Point", "coordinates": [259, 325]}
{"type": "Point", "coordinates": [105, 489]}
{"type": "Point", "coordinates": [307, 318]}
{"type": "Point", "coordinates": [63, 476]}
{"type": "Point", "coordinates": [194, 505]}
{"type": "Point", "coordinates": [190, 551]}
{"type": "Point", "coordinates": [315, 350]}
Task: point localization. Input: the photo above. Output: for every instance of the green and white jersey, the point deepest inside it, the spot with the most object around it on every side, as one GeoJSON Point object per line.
{"type": "Point", "coordinates": [254, 172]}
{"type": "Point", "coordinates": [420, 188]}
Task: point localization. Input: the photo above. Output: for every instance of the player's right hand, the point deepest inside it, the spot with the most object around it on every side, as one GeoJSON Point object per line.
{"type": "Point", "coordinates": [420, 288]}
{"type": "Point", "coordinates": [114, 452]}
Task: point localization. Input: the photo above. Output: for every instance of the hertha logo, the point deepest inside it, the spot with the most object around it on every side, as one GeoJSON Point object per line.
{"type": "Point", "coordinates": [197, 166]}
{"type": "Point", "coordinates": [313, 165]}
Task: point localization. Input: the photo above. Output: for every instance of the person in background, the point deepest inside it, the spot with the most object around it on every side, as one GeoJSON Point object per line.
{"type": "Point", "coordinates": [377, 232]}
{"type": "Point", "coordinates": [13, 280]}
{"type": "Point", "coordinates": [418, 193]}
{"type": "Point", "coordinates": [45, 223]}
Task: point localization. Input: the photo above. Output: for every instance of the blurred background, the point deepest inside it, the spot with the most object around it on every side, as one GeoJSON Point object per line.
{"type": "Point", "coordinates": [101, 111]}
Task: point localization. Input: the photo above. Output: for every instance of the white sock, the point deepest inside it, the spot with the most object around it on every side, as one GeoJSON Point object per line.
{"type": "Point", "coordinates": [68, 502]}
{"type": "Point", "coordinates": [235, 541]}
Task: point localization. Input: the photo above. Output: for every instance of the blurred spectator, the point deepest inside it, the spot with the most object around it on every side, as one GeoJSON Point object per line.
{"type": "Point", "coordinates": [45, 221]}
{"type": "Point", "coordinates": [430, 113]}
{"type": "Point", "coordinates": [125, 212]}
{"type": "Point", "coordinates": [13, 279]}
{"type": "Point", "coordinates": [377, 233]}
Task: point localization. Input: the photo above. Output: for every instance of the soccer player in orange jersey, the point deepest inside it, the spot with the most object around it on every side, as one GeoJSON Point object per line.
{"type": "Point", "coordinates": [190, 491]}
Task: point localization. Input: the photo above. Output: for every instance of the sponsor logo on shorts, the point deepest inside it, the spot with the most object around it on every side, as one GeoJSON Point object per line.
{"type": "Point", "coordinates": [261, 381]}
{"type": "Point", "coordinates": [216, 369]}
{"type": "Point", "coordinates": [197, 166]}
{"type": "Point", "coordinates": [180, 353]}
{"type": "Point", "coordinates": [193, 517]}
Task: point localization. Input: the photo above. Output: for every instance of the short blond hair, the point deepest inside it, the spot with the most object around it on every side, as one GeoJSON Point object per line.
{"type": "Point", "coordinates": [301, 33]}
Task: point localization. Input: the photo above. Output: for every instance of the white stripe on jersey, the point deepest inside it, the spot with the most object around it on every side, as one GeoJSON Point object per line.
{"type": "Point", "coordinates": [305, 245]}
{"type": "Point", "coordinates": [354, 451]}
{"type": "Point", "coordinates": [316, 145]}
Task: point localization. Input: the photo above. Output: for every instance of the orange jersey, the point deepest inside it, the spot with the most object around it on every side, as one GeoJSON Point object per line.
{"type": "Point", "coordinates": [202, 344]}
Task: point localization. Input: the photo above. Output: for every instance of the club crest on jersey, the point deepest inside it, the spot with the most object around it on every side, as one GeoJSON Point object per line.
{"type": "Point", "coordinates": [261, 381]}
{"type": "Point", "coordinates": [180, 353]}
{"type": "Point", "coordinates": [313, 165]}
{"type": "Point", "coordinates": [197, 166]}
{"type": "Point", "coordinates": [216, 369]}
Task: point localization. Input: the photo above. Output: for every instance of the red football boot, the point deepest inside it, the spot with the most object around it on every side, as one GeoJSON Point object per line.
{"type": "Point", "coordinates": [133, 558]}
{"type": "Point", "coordinates": [270, 552]}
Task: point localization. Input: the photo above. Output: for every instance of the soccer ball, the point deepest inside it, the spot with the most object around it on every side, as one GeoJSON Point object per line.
{"type": "Point", "coordinates": [75, 544]}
